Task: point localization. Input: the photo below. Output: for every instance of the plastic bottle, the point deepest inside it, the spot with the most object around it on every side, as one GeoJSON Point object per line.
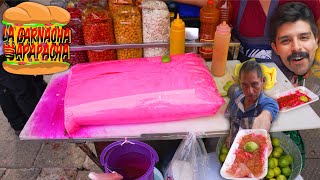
{"type": "Point", "coordinates": [177, 36]}
{"type": "Point", "coordinates": [225, 9]}
{"type": "Point", "coordinates": [209, 20]}
{"type": "Point", "coordinates": [220, 49]}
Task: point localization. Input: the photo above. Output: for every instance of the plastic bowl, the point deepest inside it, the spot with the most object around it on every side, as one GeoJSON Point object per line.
{"type": "Point", "coordinates": [288, 146]}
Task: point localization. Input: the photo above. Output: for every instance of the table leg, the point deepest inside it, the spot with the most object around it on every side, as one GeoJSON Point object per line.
{"type": "Point", "coordinates": [90, 154]}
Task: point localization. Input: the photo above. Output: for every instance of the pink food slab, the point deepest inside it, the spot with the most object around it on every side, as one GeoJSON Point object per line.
{"type": "Point", "coordinates": [136, 91]}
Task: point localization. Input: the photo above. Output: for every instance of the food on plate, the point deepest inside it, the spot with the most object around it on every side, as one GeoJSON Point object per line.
{"type": "Point", "coordinates": [249, 163]}
{"type": "Point", "coordinates": [292, 100]}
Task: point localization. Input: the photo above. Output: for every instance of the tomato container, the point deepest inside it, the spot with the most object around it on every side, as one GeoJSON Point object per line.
{"type": "Point", "coordinates": [98, 29]}
{"type": "Point", "coordinates": [77, 37]}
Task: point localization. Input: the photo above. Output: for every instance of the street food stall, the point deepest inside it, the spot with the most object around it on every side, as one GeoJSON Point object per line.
{"type": "Point", "coordinates": [47, 122]}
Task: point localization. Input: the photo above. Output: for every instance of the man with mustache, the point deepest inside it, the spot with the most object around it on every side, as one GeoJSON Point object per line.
{"type": "Point", "coordinates": [294, 37]}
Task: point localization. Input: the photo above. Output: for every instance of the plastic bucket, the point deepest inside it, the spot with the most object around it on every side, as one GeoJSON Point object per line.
{"type": "Point", "coordinates": [133, 160]}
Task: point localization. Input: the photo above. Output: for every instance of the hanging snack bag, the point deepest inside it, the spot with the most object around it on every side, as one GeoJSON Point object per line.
{"type": "Point", "coordinates": [98, 29]}
{"type": "Point", "coordinates": [113, 4]}
{"type": "Point", "coordinates": [156, 26]}
{"type": "Point", "coordinates": [77, 37]}
{"type": "Point", "coordinates": [128, 30]}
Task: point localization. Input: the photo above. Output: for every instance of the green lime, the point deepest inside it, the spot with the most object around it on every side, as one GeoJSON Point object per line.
{"type": "Point", "coordinates": [222, 157]}
{"type": "Point", "coordinates": [165, 59]}
{"type": "Point", "coordinates": [224, 150]}
{"type": "Point", "coordinates": [286, 171]}
{"type": "Point", "coordinates": [275, 162]}
{"type": "Point", "coordinates": [272, 179]}
{"type": "Point", "coordinates": [276, 171]}
{"type": "Point", "coordinates": [281, 177]}
{"type": "Point", "coordinates": [279, 149]}
{"type": "Point", "coordinates": [304, 98]}
{"type": "Point", "coordinates": [270, 174]}
{"type": "Point", "coordinates": [271, 164]}
{"type": "Point", "coordinates": [250, 146]}
{"type": "Point", "coordinates": [289, 158]}
{"type": "Point", "coordinates": [275, 142]}
{"type": "Point", "coordinates": [276, 154]}
{"type": "Point", "coordinates": [283, 162]}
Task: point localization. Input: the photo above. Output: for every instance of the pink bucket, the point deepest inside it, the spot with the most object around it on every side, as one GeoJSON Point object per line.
{"type": "Point", "coordinates": [132, 159]}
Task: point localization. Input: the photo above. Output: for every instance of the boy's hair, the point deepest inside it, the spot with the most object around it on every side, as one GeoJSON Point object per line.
{"type": "Point", "coordinates": [249, 66]}
{"type": "Point", "coordinates": [292, 12]}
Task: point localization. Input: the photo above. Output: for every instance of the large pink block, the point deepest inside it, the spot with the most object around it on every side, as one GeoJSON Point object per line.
{"type": "Point", "coordinates": [139, 91]}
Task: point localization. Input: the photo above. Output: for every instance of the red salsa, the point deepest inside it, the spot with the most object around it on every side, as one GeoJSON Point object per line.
{"type": "Point", "coordinates": [292, 100]}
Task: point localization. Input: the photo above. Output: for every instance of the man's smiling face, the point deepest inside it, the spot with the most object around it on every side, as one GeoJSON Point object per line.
{"type": "Point", "coordinates": [296, 45]}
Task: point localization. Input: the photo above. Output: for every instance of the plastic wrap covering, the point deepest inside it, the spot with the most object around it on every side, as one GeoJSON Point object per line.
{"type": "Point", "coordinates": [77, 37]}
{"type": "Point", "coordinates": [98, 29]}
{"type": "Point", "coordinates": [156, 26]}
{"type": "Point", "coordinates": [113, 4]}
{"type": "Point", "coordinates": [142, 90]}
{"type": "Point", "coordinates": [128, 29]}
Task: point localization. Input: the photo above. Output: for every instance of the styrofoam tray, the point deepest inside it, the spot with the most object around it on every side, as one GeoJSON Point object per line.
{"type": "Point", "coordinates": [232, 156]}
{"type": "Point", "coordinates": [309, 93]}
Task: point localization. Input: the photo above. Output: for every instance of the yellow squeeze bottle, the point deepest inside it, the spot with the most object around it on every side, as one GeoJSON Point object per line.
{"type": "Point", "coordinates": [177, 36]}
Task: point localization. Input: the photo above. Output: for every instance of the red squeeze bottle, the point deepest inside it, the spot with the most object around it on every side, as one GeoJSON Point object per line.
{"type": "Point", "coordinates": [209, 20]}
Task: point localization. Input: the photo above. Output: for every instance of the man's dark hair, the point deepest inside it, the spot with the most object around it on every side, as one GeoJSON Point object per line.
{"type": "Point", "coordinates": [292, 12]}
{"type": "Point", "coordinates": [249, 66]}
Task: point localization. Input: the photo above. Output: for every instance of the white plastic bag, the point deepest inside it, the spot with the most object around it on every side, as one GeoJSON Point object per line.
{"type": "Point", "coordinates": [190, 162]}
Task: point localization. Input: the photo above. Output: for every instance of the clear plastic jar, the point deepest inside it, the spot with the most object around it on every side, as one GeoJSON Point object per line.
{"type": "Point", "coordinates": [98, 29]}
{"type": "Point", "coordinates": [128, 30]}
{"type": "Point", "coordinates": [156, 26]}
{"type": "Point", "coordinates": [77, 37]}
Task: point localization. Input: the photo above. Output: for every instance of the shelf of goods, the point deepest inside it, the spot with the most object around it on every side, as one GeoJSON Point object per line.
{"type": "Point", "coordinates": [234, 46]}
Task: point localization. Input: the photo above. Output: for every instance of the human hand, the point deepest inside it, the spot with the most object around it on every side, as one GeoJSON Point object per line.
{"type": "Point", "coordinates": [263, 121]}
{"type": "Point", "coordinates": [105, 176]}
